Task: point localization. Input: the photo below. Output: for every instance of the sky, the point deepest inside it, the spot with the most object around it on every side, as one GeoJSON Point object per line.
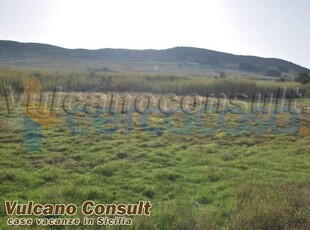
{"type": "Point", "coordinates": [266, 28]}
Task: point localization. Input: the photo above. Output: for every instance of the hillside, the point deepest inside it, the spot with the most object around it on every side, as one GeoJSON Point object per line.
{"type": "Point", "coordinates": [47, 56]}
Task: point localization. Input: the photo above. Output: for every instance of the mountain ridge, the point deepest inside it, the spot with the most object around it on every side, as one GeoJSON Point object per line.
{"type": "Point", "coordinates": [180, 54]}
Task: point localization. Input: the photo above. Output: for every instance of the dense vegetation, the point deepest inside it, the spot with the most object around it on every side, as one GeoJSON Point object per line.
{"type": "Point", "coordinates": [139, 82]}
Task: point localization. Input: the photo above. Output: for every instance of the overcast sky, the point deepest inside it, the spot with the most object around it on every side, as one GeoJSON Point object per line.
{"type": "Point", "coordinates": [267, 28]}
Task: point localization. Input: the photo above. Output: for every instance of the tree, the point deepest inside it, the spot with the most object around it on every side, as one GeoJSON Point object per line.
{"type": "Point", "coordinates": [221, 72]}
{"type": "Point", "coordinates": [302, 78]}
{"type": "Point", "coordinates": [272, 73]}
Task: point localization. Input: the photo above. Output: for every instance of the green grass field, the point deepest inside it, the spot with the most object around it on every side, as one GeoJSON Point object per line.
{"type": "Point", "coordinates": [224, 180]}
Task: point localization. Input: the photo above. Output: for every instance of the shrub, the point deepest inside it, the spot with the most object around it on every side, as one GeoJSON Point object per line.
{"type": "Point", "coordinates": [272, 73]}
{"type": "Point", "coordinates": [303, 78]}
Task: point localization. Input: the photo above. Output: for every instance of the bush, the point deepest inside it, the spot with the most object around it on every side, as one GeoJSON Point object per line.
{"type": "Point", "coordinates": [306, 91]}
{"type": "Point", "coordinates": [272, 73]}
{"type": "Point", "coordinates": [302, 78]}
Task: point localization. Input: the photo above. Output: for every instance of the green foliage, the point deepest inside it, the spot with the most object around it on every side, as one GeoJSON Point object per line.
{"type": "Point", "coordinates": [272, 73]}
{"type": "Point", "coordinates": [303, 78]}
{"type": "Point", "coordinates": [134, 82]}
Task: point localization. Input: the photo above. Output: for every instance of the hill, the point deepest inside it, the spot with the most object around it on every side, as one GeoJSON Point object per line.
{"type": "Point", "coordinates": [48, 56]}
